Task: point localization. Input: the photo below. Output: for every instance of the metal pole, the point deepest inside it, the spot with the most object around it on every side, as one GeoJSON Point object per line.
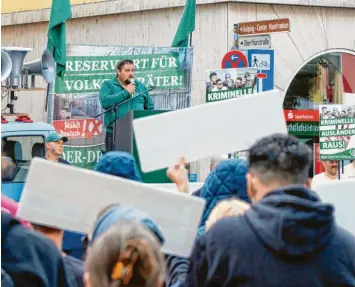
{"type": "Point", "coordinates": [49, 103]}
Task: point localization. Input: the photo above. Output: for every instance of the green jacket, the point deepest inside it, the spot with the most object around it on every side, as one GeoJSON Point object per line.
{"type": "Point", "coordinates": [112, 92]}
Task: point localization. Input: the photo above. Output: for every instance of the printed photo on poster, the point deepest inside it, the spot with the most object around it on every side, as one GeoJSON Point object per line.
{"type": "Point", "coordinates": [337, 132]}
{"type": "Point", "coordinates": [223, 84]}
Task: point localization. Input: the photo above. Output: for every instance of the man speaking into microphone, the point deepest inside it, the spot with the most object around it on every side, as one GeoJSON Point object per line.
{"type": "Point", "coordinates": [120, 89]}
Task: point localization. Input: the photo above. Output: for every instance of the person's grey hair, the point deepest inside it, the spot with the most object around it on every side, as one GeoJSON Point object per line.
{"type": "Point", "coordinates": [129, 244]}
{"type": "Point", "coordinates": [216, 160]}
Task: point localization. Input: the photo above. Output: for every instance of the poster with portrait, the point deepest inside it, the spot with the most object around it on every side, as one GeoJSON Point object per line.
{"type": "Point", "coordinates": [337, 132]}
{"type": "Point", "coordinates": [223, 84]}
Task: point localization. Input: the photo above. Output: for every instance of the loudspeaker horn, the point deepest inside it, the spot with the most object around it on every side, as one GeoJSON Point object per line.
{"type": "Point", "coordinates": [44, 66]}
{"type": "Point", "coordinates": [6, 65]}
{"type": "Point", "coordinates": [17, 56]}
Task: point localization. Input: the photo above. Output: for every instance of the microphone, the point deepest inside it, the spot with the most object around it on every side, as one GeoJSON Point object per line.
{"type": "Point", "coordinates": [149, 88]}
{"type": "Point", "coordinates": [130, 81]}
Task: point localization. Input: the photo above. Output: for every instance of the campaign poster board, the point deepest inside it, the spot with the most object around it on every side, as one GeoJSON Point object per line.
{"type": "Point", "coordinates": [223, 84]}
{"type": "Point", "coordinates": [337, 132]}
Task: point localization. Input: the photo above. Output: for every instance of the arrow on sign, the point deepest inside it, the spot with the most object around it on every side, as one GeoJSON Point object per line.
{"type": "Point", "coordinates": [234, 59]}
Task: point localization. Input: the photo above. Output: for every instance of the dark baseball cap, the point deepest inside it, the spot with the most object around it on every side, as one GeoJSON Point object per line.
{"type": "Point", "coordinates": [54, 137]}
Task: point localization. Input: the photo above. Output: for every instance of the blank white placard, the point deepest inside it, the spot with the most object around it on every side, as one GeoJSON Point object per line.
{"type": "Point", "coordinates": [207, 130]}
{"type": "Point", "coordinates": [70, 198]}
{"type": "Point", "coordinates": [193, 186]}
{"type": "Point", "coordinates": [341, 194]}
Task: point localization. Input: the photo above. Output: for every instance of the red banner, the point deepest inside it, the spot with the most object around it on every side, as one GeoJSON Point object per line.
{"type": "Point", "coordinates": [86, 128]}
{"type": "Point", "coordinates": [301, 115]}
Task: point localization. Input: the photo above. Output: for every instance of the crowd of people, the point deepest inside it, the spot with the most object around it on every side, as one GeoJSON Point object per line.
{"type": "Point", "coordinates": [262, 226]}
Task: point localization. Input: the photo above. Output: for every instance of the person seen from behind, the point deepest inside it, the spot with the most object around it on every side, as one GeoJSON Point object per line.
{"type": "Point", "coordinates": [226, 208]}
{"type": "Point", "coordinates": [288, 237]}
{"type": "Point", "coordinates": [226, 181]}
{"type": "Point", "coordinates": [28, 259]}
{"type": "Point", "coordinates": [73, 265]}
{"type": "Point", "coordinates": [126, 255]}
{"type": "Point", "coordinates": [117, 163]}
{"type": "Point", "coordinates": [114, 214]}
{"type": "Point", "coordinates": [216, 160]}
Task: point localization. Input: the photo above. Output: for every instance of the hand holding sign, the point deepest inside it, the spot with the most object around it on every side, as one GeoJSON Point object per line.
{"type": "Point", "coordinates": [178, 175]}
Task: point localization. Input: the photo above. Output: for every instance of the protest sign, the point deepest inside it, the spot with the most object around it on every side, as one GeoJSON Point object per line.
{"type": "Point", "coordinates": [223, 84]}
{"type": "Point", "coordinates": [193, 186]}
{"type": "Point", "coordinates": [75, 202]}
{"type": "Point", "coordinates": [207, 130]}
{"type": "Point", "coordinates": [341, 194]}
{"type": "Point", "coordinates": [79, 128]}
{"type": "Point", "coordinates": [337, 132]}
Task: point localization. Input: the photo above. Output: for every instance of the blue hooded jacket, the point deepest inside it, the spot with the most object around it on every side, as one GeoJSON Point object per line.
{"type": "Point", "coordinates": [122, 213]}
{"type": "Point", "coordinates": [289, 238]}
{"type": "Point", "coordinates": [120, 164]}
{"type": "Point", "coordinates": [227, 180]}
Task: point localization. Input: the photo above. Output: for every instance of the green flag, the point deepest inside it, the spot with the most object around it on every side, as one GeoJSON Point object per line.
{"type": "Point", "coordinates": [186, 26]}
{"type": "Point", "coordinates": [60, 12]}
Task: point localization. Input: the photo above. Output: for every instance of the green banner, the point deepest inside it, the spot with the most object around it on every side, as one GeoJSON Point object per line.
{"type": "Point", "coordinates": [341, 121]}
{"type": "Point", "coordinates": [333, 144]}
{"type": "Point", "coordinates": [83, 156]}
{"type": "Point", "coordinates": [337, 132]}
{"type": "Point", "coordinates": [229, 94]}
{"type": "Point", "coordinates": [92, 83]}
{"type": "Point", "coordinates": [87, 73]}
{"type": "Point", "coordinates": [303, 128]}
{"type": "Point", "coordinates": [346, 155]}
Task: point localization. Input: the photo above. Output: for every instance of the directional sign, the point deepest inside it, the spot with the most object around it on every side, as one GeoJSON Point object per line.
{"type": "Point", "coordinates": [254, 42]}
{"type": "Point", "coordinates": [264, 27]}
{"type": "Point", "coordinates": [234, 59]}
{"type": "Point", "coordinates": [263, 60]}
